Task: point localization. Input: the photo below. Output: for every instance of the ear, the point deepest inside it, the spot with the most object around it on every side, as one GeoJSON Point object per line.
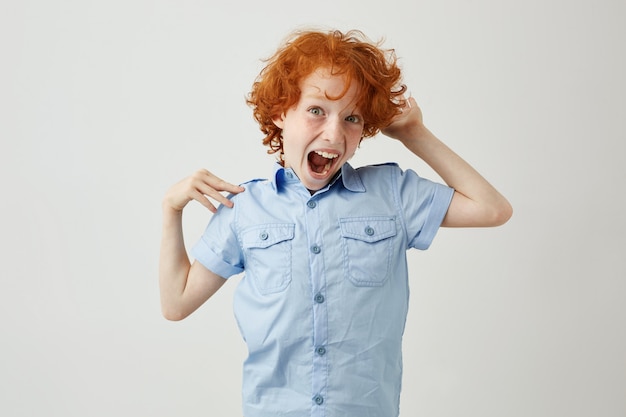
{"type": "Point", "coordinates": [279, 120]}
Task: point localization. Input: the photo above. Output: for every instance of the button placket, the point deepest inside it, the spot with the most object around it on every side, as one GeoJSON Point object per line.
{"type": "Point", "coordinates": [319, 364]}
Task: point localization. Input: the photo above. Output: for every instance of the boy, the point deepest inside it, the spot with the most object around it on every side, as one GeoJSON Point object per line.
{"type": "Point", "coordinates": [324, 299]}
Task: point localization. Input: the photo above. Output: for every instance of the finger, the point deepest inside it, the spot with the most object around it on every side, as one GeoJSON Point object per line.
{"type": "Point", "coordinates": [207, 190]}
{"type": "Point", "coordinates": [202, 199]}
{"type": "Point", "coordinates": [407, 104]}
{"type": "Point", "coordinates": [219, 184]}
{"type": "Point", "coordinates": [231, 188]}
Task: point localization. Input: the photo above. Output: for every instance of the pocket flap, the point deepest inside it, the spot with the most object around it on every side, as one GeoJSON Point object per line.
{"type": "Point", "coordinates": [368, 229]}
{"type": "Point", "coordinates": [265, 235]}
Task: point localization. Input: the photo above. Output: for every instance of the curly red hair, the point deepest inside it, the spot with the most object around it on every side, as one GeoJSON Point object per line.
{"type": "Point", "coordinates": [351, 54]}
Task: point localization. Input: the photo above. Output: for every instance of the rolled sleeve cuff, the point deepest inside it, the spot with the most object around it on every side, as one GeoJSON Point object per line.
{"type": "Point", "coordinates": [439, 207]}
{"type": "Point", "coordinates": [211, 261]}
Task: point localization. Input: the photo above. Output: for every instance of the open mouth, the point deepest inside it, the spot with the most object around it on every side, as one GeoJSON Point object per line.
{"type": "Point", "coordinates": [320, 161]}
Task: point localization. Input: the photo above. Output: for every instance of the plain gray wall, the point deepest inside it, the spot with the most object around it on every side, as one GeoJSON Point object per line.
{"type": "Point", "coordinates": [105, 104]}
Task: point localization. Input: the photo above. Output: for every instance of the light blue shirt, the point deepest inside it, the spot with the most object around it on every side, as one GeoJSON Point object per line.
{"type": "Point", "coordinates": [323, 302]}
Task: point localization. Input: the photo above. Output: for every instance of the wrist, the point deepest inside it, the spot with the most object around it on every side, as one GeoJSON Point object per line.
{"type": "Point", "coordinates": [416, 135]}
{"type": "Point", "coordinates": [170, 211]}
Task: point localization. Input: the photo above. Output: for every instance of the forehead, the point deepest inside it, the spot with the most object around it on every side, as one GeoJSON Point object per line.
{"type": "Point", "coordinates": [323, 83]}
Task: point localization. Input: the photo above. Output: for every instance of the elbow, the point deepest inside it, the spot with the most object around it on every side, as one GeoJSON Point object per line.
{"type": "Point", "coordinates": [171, 317]}
{"type": "Point", "coordinates": [173, 314]}
{"type": "Point", "coordinates": [501, 213]}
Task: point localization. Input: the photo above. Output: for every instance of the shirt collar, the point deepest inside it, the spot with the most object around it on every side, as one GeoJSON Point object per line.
{"type": "Point", "coordinates": [350, 178]}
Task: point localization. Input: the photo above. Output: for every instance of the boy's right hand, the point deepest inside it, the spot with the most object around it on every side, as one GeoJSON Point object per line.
{"type": "Point", "coordinates": [199, 186]}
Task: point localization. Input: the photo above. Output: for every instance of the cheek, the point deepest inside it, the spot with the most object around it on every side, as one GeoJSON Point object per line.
{"type": "Point", "coordinates": [292, 151]}
{"type": "Point", "coordinates": [354, 143]}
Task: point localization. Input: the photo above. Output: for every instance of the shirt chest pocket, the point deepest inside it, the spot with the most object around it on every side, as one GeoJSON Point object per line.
{"type": "Point", "coordinates": [367, 244]}
{"type": "Point", "coordinates": [267, 251]}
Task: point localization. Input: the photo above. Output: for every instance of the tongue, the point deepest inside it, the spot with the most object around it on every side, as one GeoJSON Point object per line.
{"type": "Point", "coordinates": [318, 162]}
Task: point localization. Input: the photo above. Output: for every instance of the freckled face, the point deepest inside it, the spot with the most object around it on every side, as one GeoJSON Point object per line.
{"type": "Point", "coordinates": [320, 134]}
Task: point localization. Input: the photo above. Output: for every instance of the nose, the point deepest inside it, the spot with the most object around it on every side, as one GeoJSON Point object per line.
{"type": "Point", "coordinates": [334, 130]}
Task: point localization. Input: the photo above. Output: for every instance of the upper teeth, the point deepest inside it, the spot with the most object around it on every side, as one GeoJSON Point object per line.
{"type": "Point", "coordinates": [327, 155]}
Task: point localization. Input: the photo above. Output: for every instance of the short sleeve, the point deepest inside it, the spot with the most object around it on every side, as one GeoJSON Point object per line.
{"type": "Point", "coordinates": [218, 248]}
{"type": "Point", "coordinates": [424, 204]}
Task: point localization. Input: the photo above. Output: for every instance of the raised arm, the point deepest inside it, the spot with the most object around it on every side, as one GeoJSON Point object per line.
{"type": "Point", "coordinates": [476, 203]}
{"type": "Point", "coordinates": [185, 287]}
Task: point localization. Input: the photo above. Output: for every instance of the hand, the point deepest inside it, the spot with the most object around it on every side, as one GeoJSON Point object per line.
{"type": "Point", "coordinates": [408, 124]}
{"type": "Point", "coordinates": [199, 186]}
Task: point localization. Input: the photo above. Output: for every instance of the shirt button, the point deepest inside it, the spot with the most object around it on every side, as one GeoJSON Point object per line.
{"type": "Point", "coordinates": [319, 400]}
{"type": "Point", "coordinates": [319, 298]}
{"type": "Point", "coordinates": [263, 236]}
{"type": "Point", "coordinates": [289, 175]}
{"type": "Point", "coordinates": [369, 231]}
{"type": "Point", "coordinates": [321, 350]}
{"type": "Point", "coordinates": [316, 249]}
{"type": "Point", "coordinates": [311, 204]}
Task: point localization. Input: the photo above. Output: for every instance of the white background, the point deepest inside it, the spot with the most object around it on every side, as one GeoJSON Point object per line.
{"type": "Point", "coordinates": [105, 104]}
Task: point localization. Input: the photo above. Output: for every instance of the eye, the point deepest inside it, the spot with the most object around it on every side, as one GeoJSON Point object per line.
{"type": "Point", "coordinates": [316, 111]}
{"type": "Point", "coordinates": [353, 119]}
